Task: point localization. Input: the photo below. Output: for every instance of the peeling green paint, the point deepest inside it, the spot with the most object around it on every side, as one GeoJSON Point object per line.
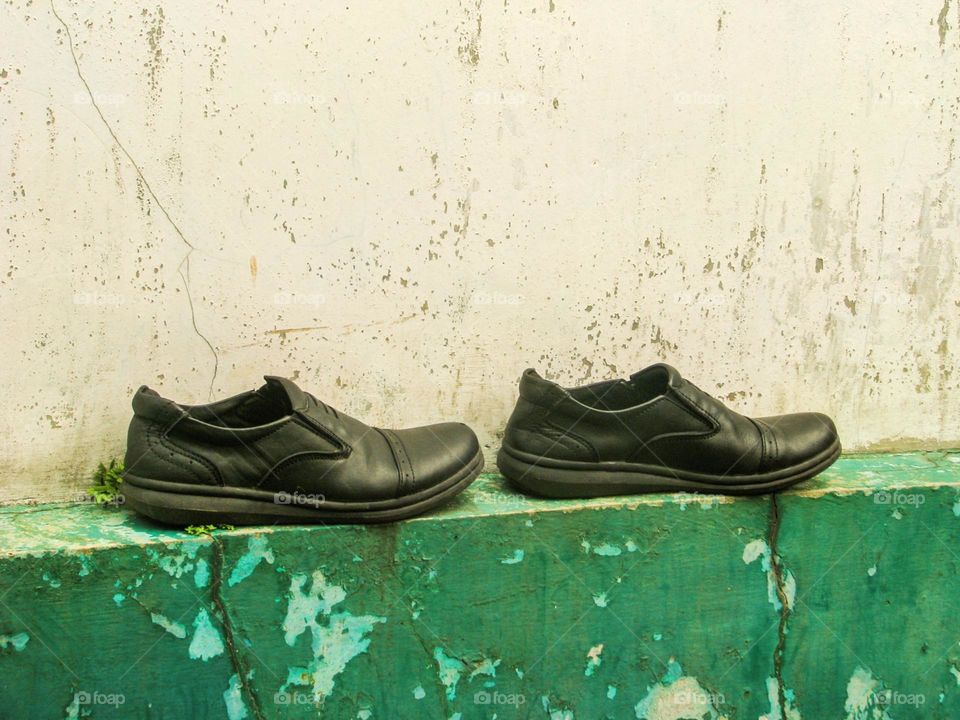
{"type": "Point", "coordinates": [676, 697]}
{"type": "Point", "coordinates": [174, 628]}
{"type": "Point", "coordinates": [257, 551]}
{"type": "Point", "coordinates": [593, 660]}
{"type": "Point", "coordinates": [449, 669]}
{"type": "Point", "coordinates": [233, 699]}
{"type": "Point", "coordinates": [528, 618]}
{"type": "Point", "coordinates": [201, 576]}
{"type": "Point", "coordinates": [863, 699]}
{"type": "Point", "coordinates": [514, 558]}
{"type": "Point", "coordinates": [758, 549]}
{"type": "Point", "coordinates": [334, 644]}
{"type": "Point", "coordinates": [606, 550]}
{"type": "Point", "coordinates": [18, 641]}
{"type": "Point", "coordinates": [206, 642]}
{"type": "Point", "coordinates": [773, 696]}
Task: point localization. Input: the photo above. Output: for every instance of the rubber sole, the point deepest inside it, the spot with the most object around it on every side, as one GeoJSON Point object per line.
{"type": "Point", "coordinates": [181, 504]}
{"type": "Point", "coordinates": [564, 479]}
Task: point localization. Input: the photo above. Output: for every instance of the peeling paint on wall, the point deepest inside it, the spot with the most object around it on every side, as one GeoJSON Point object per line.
{"type": "Point", "coordinates": [676, 697]}
{"type": "Point", "coordinates": [334, 644]}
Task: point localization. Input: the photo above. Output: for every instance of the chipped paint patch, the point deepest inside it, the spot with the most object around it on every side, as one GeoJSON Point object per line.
{"type": "Point", "coordinates": [333, 645]}
{"type": "Point", "coordinates": [516, 557]}
{"type": "Point", "coordinates": [174, 628]}
{"type": "Point", "coordinates": [174, 565]}
{"type": "Point", "coordinates": [486, 666]}
{"type": "Point", "coordinates": [233, 699]}
{"type": "Point", "coordinates": [449, 669]}
{"type": "Point", "coordinates": [864, 702]}
{"type": "Point", "coordinates": [758, 549]}
{"type": "Point", "coordinates": [18, 641]}
{"type": "Point", "coordinates": [593, 660]}
{"type": "Point", "coordinates": [257, 551]}
{"type": "Point", "coordinates": [419, 693]}
{"type": "Point", "coordinates": [607, 550]}
{"type": "Point", "coordinates": [676, 697]}
{"type": "Point", "coordinates": [600, 600]}
{"type": "Point", "coordinates": [555, 713]}
{"type": "Point", "coordinates": [206, 642]}
{"type": "Point", "coordinates": [773, 695]}
{"type": "Point", "coordinates": [72, 711]}
{"type": "Point", "coordinates": [201, 576]}
{"type": "Point", "coordinates": [303, 607]}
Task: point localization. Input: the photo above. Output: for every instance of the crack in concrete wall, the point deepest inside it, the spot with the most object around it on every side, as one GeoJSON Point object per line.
{"type": "Point", "coordinates": [236, 660]}
{"type": "Point", "coordinates": [184, 268]}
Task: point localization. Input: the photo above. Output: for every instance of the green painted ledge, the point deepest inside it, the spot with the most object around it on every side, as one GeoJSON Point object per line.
{"type": "Point", "coordinates": [840, 600]}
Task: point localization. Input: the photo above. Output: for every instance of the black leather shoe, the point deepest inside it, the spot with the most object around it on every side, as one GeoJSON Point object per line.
{"type": "Point", "coordinates": [655, 432]}
{"type": "Point", "coordinates": [278, 454]}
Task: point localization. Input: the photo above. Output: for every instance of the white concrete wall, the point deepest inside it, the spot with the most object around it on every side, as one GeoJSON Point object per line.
{"type": "Point", "coordinates": [403, 205]}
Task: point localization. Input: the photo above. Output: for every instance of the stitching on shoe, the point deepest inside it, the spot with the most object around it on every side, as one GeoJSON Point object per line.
{"type": "Point", "coordinates": [156, 446]}
{"type": "Point", "coordinates": [763, 431]}
{"type": "Point", "coordinates": [401, 458]}
{"type": "Point", "coordinates": [172, 446]}
{"type": "Point", "coordinates": [155, 440]}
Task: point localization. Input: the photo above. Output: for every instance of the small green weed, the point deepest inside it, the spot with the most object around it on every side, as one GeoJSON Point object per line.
{"type": "Point", "coordinates": [107, 481]}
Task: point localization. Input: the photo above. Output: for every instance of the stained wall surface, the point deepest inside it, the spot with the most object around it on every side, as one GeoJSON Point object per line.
{"type": "Point", "coordinates": [402, 206]}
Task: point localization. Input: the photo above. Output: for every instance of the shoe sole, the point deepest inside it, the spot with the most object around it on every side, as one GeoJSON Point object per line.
{"type": "Point", "coordinates": [183, 504]}
{"type": "Point", "coordinates": [566, 479]}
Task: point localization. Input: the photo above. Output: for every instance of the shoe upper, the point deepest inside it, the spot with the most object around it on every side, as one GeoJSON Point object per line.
{"type": "Point", "coordinates": [658, 418]}
{"type": "Point", "coordinates": [281, 439]}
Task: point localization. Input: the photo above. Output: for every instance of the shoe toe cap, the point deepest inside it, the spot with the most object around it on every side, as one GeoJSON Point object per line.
{"type": "Point", "coordinates": [801, 437]}
{"type": "Point", "coordinates": [437, 453]}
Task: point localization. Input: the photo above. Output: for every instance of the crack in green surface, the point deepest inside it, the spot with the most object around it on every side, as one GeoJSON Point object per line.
{"type": "Point", "coordinates": [216, 597]}
{"type": "Point", "coordinates": [777, 570]}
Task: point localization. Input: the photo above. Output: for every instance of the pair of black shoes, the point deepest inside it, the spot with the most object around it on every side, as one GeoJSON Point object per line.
{"type": "Point", "coordinates": [278, 454]}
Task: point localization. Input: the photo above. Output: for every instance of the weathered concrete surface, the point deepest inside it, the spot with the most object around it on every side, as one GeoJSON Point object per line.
{"type": "Point", "coordinates": [659, 607]}
{"type": "Point", "coordinates": [403, 205]}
